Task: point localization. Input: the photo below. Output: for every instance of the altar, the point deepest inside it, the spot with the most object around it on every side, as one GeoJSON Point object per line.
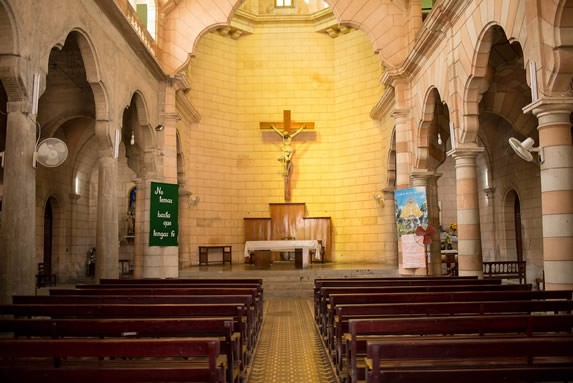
{"type": "Point", "coordinates": [286, 245]}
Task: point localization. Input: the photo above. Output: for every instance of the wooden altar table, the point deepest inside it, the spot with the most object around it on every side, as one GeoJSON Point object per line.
{"type": "Point", "coordinates": [286, 245]}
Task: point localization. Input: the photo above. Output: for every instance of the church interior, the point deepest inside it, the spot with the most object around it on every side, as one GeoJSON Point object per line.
{"type": "Point", "coordinates": [285, 140]}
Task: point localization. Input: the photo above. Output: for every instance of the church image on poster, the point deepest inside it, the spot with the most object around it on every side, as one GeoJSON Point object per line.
{"type": "Point", "coordinates": [411, 212]}
{"type": "Point", "coordinates": [411, 209]}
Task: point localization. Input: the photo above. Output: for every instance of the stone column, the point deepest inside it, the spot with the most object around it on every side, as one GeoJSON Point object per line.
{"type": "Point", "coordinates": [403, 152]}
{"type": "Point", "coordinates": [429, 179]}
{"type": "Point", "coordinates": [556, 149]}
{"type": "Point", "coordinates": [469, 237]}
{"type": "Point", "coordinates": [139, 241]}
{"type": "Point", "coordinates": [107, 226]}
{"type": "Point", "coordinates": [390, 236]}
{"type": "Point", "coordinates": [184, 229]}
{"type": "Point", "coordinates": [74, 265]}
{"type": "Point", "coordinates": [18, 264]}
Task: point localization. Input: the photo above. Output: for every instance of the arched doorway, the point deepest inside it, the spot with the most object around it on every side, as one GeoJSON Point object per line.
{"type": "Point", "coordinates": [518, 234]}
{"type": "Point", "coordinates": [513, 227]}
{"type": "Point", "coordinates": [48, 236]}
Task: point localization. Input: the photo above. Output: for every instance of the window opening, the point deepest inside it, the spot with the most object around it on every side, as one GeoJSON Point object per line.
{"type": "Point", "coordinates": [284, 3]}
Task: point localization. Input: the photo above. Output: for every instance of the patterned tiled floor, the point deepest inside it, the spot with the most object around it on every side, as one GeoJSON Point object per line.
{"type": "Point", "coordinates": [290, 349]}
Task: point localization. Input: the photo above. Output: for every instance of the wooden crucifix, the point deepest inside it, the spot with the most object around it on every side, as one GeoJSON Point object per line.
{"type": "Point", "coordinates": [285, 130]}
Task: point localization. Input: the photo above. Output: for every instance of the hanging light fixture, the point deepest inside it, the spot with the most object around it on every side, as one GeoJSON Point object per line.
{"type": "Point", "coordinates": [132, 141]}
{"type": "Point", "coordinates": [439, 139]}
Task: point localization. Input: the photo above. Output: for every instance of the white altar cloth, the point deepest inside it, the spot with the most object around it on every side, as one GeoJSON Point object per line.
{"type": "Point", "coordinates": [286, 245]}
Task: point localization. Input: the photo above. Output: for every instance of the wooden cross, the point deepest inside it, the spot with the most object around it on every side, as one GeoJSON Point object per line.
{"type": "Point", "coordinates": [287, 124]}
{"type": "Point", "coordinates": [285, 131]}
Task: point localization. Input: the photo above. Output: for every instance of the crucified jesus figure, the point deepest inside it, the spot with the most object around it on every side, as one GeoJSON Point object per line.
{"type": "Point", "coordinates": [287, 150]}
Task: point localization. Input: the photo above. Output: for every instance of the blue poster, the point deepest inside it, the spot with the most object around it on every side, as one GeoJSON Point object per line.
{"type": "Point", "coordinates": [411, 209]}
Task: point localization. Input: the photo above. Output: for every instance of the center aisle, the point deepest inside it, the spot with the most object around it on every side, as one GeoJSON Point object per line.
{"type": "Point", "coordinates": [289, 349]}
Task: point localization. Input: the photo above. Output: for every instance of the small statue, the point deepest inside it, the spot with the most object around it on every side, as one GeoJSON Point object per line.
{"type": "Point", "coordinates": [287, 150]}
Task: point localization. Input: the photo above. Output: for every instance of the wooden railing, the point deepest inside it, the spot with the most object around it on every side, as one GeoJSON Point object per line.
{"type": "Point", "coordinates": [505, 270]}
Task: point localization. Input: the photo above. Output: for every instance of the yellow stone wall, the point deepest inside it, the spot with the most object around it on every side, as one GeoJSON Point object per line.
{"type": "Point", "coordinates": [232, 164]}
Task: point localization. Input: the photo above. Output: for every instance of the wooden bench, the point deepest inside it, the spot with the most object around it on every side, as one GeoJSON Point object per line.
{"type": "Point", "coordinates": [237, 311]}
{"type": "Point", "coordinates": [222, 328]}
{"type": "Point", "coordinates": [111, 360]}
{"type": "Point", "coordinates": [145, 299]}
{"type": "Point", "coordinates": [385, 282]}
{"type": "Point", "coordinates": [471, 360]}
{"type": "Point", "coordinates": [363, 331]}
{"type": "Point", "coordinates": [505, 270]}
{"type": "Point", "coordinates": [220, 281]}
{"type": "Point", "coordinates": [454, 296]}
{"type": "Point", "coordinates": [255, 316]}
{"type": "Point", "coordinates": [325, 292]}
{"type": "Point", "coordinates": [246, 282]}
{"type": "Point", "coordinates": [344, 313]}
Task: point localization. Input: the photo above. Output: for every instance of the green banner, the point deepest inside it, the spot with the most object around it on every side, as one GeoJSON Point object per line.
{"type": "Point", "coordinates": [163, 219]}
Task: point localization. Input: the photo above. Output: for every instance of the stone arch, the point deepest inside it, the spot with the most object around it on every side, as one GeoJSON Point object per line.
{"type": "Point", "coordinates": [388, 33]}
{"type": "Point", "coordinates": [193, 21]}
{"type": "Point", "coordinates": [435, 118]}
{"type": "Point", "coordinates": [391, 164]}
{"type": "Point", "coordinates": [93, 74]}
{"type": "Point", "coordinates": [137, 136]}
{"type": "Point", "coordinates": [388, 36]}
{"type": "Point", "coordinates": [8, 38]}
{"type": "Point", "coordinates": [11, 67]}
{"type": "Point", "coordinates": [561, 72]}
{"type": "Point", "coordinates": [477, 84]}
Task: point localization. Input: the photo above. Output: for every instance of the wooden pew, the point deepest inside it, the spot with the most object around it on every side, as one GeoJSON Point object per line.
{"type": "Point", "coordinates": [220, 327]}
{"type": "Point", "coordinates": [453, 296]}
{"type": "Point", "coordinates": [325, 291]}
{"type": "Point", "coordinates": [66, 360]}
{"type": "Point", "coordinates": [392, 281]}
{"type": "Point", "coordinates": [344, 313]}
{"type": "Point", "coordinates": [247, 300]}
{"type": "Point", "coordinates": [237, 311]}
{"type": "Point", "coordinates": [365, 330]}
{"type": "Point", "coordinates": [112, 281]}
{"type": "Point", "coordinates": [471, 360]}
{"type": "Point", "coordinates": [189, 291]}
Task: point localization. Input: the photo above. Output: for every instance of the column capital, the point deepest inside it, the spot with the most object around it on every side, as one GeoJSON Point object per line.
{"type": "Point", "coordinates": [400, 114]}
{"type": "Point", "coordinates": [466, 151]}
{"type": "Point", "coordinates": [550, 105]}
{"type": "Point", "coordinates": [422, 177]}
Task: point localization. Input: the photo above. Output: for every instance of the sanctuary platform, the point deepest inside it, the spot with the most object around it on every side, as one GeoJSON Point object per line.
{"type": "Point", "coordinates": [283, 280]}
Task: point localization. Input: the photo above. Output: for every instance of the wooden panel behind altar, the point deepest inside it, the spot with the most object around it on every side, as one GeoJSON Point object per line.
{"type": "Point", "coordinates": [287, 220]}
{"type": "Point", "coordinates": [257, 229]}
{"type": "Point", "coordinates": [319, 228]}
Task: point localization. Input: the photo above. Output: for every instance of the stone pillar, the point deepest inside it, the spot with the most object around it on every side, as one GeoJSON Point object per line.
{"type": "Point", "coordinates": [18, 264]}
{"type": "Point", "coordinates": [184, 229]}
{"type": "Point", "coordinates": [429, 179]}
{"type": "Point", "coordinates": [556, 150]}
{"type": "Point", "coordinates": [74, 265]}
{"type": "Point", "coordinates": [107, 226]}
{"type": "Point", "coordinates": [403, 152]}
{"type": "Point", "coordinates": [390, 235]}
{"type": "Point", "coordinates": [139, 240]}
{"type": "Point", "coordinates": [469, 237]}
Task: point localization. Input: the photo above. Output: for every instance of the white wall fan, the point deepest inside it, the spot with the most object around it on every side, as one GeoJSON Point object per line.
{"type": "Point", "coordinates": [524, 149]}
{"type": "Point", "coordinates": [51, 152]}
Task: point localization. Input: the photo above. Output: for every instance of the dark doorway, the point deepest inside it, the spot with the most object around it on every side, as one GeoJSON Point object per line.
{"type": "Point", "coordinates": [518, 234]}
{"type": "Point", "coordinates": [48, 232]}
